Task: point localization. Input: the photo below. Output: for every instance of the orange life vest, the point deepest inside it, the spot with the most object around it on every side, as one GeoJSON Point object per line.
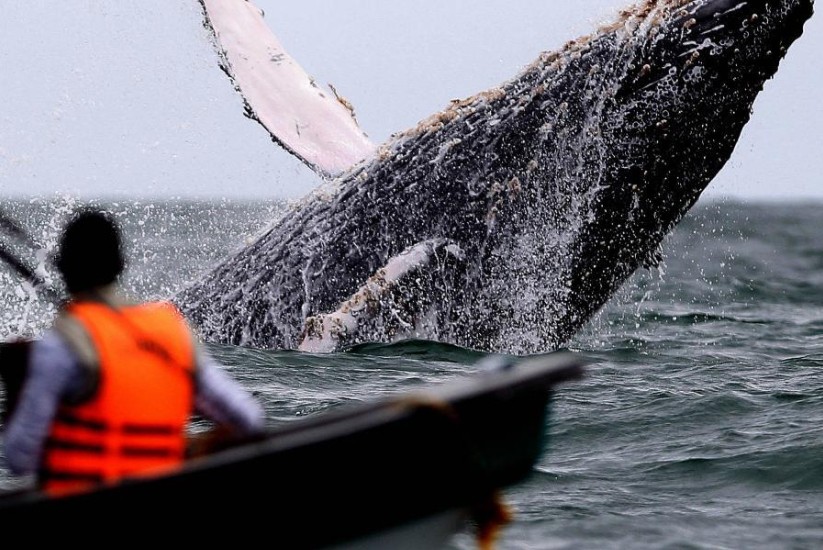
{"type": "Point", "coordinates": [135, 421]}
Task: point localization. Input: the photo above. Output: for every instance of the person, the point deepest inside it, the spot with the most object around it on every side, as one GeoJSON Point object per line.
{"type": "Point", "coordinates": [113, 386]}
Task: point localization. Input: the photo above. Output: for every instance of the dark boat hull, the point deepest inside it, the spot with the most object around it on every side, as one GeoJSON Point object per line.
{"type": "Point", "coordinates": [356, 471]}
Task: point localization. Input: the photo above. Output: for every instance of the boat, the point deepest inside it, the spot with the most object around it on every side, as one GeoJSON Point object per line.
{"type": "Point", "coordinates": [409, 470]}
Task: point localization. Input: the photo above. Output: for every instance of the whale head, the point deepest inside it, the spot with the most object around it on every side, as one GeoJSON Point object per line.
{"type": "Point", "coordinates": [636, 121]}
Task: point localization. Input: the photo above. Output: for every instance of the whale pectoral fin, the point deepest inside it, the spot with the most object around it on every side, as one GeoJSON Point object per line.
{"type": "Point", "coordinates": [392, 304]}
{"type": "Point", "coordinates": [315, 125]}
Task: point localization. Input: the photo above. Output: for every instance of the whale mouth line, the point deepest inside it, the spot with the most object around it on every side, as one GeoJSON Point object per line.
{"type": "Point", "coordinates": [717, 9]}
{"type": "Point", "coordinates": [715, 16]}
{"type": "Point", "coordinates": [731, 10]}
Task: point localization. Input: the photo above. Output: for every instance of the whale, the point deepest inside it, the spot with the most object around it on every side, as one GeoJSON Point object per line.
{"type": "Point", "coordinates": [505, 221]}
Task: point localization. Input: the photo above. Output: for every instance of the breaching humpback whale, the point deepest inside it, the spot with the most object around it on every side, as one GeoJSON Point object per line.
{"type": "Point", "coordinates": [504, 222]}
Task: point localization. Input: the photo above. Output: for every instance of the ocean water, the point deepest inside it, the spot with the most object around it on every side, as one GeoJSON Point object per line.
{"type": "Point", "coordinates": [699, 423]}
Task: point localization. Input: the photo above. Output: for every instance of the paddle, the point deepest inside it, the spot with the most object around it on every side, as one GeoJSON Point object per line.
{"type": "Point", "coordinates": [12, 226]}
{"type": "Point", "coordinates": [14, 354]}
{"type": "Point", "coordinates": [29, 274]}
{"type": "Point", "coordinates": [22, 268]}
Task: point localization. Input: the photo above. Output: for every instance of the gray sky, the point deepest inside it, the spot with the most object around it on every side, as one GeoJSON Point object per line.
{"type": "Point", "coordinates": [104, 98]}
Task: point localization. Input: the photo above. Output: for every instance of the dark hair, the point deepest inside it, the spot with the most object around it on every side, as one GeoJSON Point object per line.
{"type": "Point", "coordinates": [89, 252]}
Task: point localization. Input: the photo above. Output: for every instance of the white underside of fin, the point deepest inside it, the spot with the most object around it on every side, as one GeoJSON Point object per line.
{"type": "Point", "coordinates": [326, 332]}
{"type": "Point", "coordinates": [314, 124]}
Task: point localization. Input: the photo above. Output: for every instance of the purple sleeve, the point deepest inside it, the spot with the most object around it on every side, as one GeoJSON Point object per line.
{"type": "Point", "coordinates": [53, 371]}
{"type": "Point", "coordinates": [222, 399]}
